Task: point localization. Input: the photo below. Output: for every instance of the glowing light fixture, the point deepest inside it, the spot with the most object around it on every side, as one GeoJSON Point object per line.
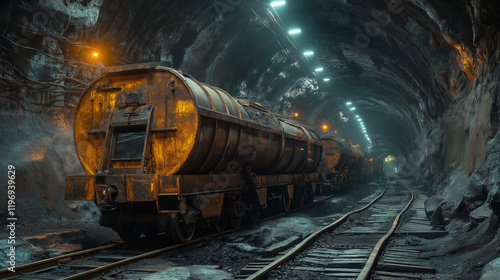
{"type": "Point", "coordinates": [308, 53]}
{"type": "Point", "coordinates": [319, 69]}
{"type": "Point", "coordinates": [348, 103]}
{"type": "Point", "coordinates": [95, 54]}
{"type": "Point", "coordinates": [390, 158]}
{"type": "Point", "coordinates": [278, 3]}
{"type": "Point", "coordinates": [326, 79]}
{"type": "Point", "coordinates": [325, 127]}
{"type": "Point", "coordinates": [296, 114]}
{"type": "Point", "coordinates": [352, 108]}
{"type": "Point", "coordinates": [294, 31]}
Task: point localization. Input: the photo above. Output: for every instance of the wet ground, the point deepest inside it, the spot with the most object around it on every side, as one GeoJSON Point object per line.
{"type": "Point", "coordinates": [43, 240]}
{"type": "Point", "coordinates": [230, 253]}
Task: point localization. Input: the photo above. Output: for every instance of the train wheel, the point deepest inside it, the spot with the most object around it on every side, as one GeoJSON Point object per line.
{"type": "Point", "coordinates": [237, 213]}
{"type": "Point", "coordinates": [300, 199]}
{"type": "Point", "coordinates": [309, 196]}
{"type": "Point", "coordinates": [220, 225]}
{"type": "Point", "coordinates": [319, 190]}
{"type": "Point", "coordinates": [253, 213]}
{"type": "Point", "coordinates": [235, 222]}
{"type": "Point", "coordinates": [285, 200]}
{"type": "Point", "coordinates": [150, 231]}
{"type": "Point", "coordinates": [128, 232]}
{"type": "Point", "coordinates": [181, 231]}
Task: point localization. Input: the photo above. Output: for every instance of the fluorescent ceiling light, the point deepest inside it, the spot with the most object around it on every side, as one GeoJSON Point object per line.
{"type": "Point", "coordinates": [294, 31]}
{"type": "Point", "coordinates": [326, 79]}
{"type": "Point", "coordinates": [277, 3]}
{"type": "Point", "coordinates": [308, 53]}
{"type": "Point", "coordinates": [352, 109]}
{"type": "Point", "coordinates": [348, 103]}
{"type": "Point", "coordinates": [319, 69]}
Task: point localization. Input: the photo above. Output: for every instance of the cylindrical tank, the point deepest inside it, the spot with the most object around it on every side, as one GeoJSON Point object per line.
{"type": "Point", "coordinates": [338, 155]}
{"type": "Point", "coordinates": [192, 128]}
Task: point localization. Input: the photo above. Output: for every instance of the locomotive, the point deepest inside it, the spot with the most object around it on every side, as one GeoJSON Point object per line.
{"type": "Point", "coordinates": [166, 153]}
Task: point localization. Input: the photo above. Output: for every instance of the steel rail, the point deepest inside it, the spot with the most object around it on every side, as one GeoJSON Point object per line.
{"type": "Point", "coordinates": [308, 241]}
{"type": "Point", "coordinates": [52, 262]}
{"type": "Point", "coordinates": [372, 260]}
{"type": "Point", "coordinates": [100, 270]}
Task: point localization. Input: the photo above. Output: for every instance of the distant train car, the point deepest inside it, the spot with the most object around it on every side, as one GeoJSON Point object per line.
{"type": "Point", "coordinates": [341, 161]}
{"type": "Point", "coordinates": [165, 153]}
{"type": "Point", "coordinates": [372, 168]}
{"type": "Point", "coordinates": [378, 168]}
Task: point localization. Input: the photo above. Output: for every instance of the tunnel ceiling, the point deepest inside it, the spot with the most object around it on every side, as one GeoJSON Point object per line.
{"type": "Point", "coordinates": [400, 63]}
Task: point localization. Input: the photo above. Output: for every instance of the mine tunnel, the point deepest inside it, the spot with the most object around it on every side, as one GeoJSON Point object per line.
{"type": "Point", "coordinates": [123, 120]}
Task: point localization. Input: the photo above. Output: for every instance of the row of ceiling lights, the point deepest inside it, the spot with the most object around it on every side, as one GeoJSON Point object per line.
{"type": "Point", "coordinates": [360, 121]}
{"type": "Point", "coordinates": [297, 31]}
{"type": "Point", "coordinates": [319, 69]}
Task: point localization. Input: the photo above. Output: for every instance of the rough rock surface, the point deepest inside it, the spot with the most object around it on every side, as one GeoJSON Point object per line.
{"type": "Point", "coordinates": [40, 147]}
{"type": "Point", "coordinates": [472, 198]}
{"type": "Point", "coordinates": [491, 270]}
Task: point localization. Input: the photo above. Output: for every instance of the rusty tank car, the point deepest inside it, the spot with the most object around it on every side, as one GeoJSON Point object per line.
{"type": "Point", "coordinates": [341, 161]}
{"type": "Point", "coordinates": [166, 153]}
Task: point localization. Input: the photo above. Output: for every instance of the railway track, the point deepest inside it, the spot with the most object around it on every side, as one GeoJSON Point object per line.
{"type": "Point", "coordinates": [93, 262]}
{"type": "Point", "coordinates": [355, 250]}
{"type": "Point", "coordinates": [351, 247]}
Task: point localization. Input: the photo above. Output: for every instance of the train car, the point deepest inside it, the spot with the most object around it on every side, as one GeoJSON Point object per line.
{"type": "Point", "coordinates": [166, 153]}
{"type": "Point", "coordinates": [342, 163]}
{"type": "Point", "coordinates": [377, 166]}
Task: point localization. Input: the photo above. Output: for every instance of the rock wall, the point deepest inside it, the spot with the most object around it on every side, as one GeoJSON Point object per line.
{"type": "Point", "coordinates": [461, 167]}
{"type": "Point", "coordinates": [40, 147]}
